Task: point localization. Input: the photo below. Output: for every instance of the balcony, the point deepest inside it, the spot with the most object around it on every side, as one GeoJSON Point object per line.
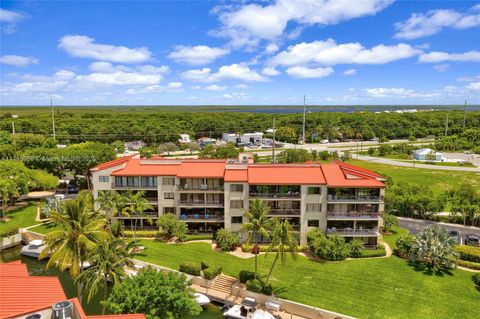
{"type": "Point", "coordinates": [144, 215]}
{"type": "Point", "coordinates": [358, 215]}
{"type": "Point", "coordinates": [200, 188]}
{"type": "Point", "coordinates": [275, 195]}
{"type": "Point", "coordinates": [350, 232]}
{"type": "Point", "coordinates": [284, 212]}
{"type": "Point", "coordinates": [353, 199]}
{"type": "Point", "coordinates": [201, 203]}
{"type": "Point", "coordinates": [201, 218]}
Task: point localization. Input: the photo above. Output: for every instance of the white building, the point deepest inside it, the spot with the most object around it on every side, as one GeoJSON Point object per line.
{"type": "Point", "coordinates": [253, 138]}
{"type": "Point", "coordinates": [184, 139]}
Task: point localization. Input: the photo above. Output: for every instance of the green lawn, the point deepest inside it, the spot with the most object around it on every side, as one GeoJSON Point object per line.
{"type": "Point", "coordinates": [19, 218]}
{"type": "Point", "coordinates": [439, 180]}
{"type": "Point", "coordinates": [44, 228]}
{"type": "Point", "coordinates": [373, 288]}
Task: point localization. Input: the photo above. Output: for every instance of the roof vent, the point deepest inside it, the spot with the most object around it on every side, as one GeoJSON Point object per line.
{"type": "Point", "coordinates": [34, 316]}
{"type": "Point", "coordinates": [63, 310]}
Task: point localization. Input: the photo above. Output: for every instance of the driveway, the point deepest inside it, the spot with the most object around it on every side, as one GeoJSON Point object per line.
{"type": "Point", "coordinates": [415, 226]}
{"type": "Point", "coordinates": [415, 164]}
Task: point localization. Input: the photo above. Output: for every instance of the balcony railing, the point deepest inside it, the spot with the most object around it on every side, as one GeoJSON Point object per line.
{"type": "Point", "coordinates": [285, 211]}
{"type": "Point", "coordinates": [200, 188]}
{"type": "Point", "coordinates": [353, 214]}
{"type": "Point", "coordinates": [275, 195]}
{"type": "Point", "coordinates": [349, 198]}
{"type": "Point", "coordinates": [201, 217]}
{"type": "Point", "coordinates": [201, 203]}
{"type": "Point", "coordinates": [143, 215]}
{"type": "Point", "coordinates": [353, 232]}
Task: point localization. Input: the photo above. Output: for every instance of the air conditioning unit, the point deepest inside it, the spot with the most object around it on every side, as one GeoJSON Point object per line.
{"type": "Point", "coordinates": [63, 310]}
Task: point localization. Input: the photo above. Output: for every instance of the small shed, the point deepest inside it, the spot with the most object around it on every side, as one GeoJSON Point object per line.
{"type": "Point", "coordinates": [427, 154]}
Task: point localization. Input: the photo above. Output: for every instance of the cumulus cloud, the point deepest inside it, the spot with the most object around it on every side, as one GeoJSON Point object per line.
{"type": "Point", "coordinates": [424, 24]}
{"type": "Point", "coordinates": [269, 71]}
{"type": "Point", "coordinates": [474, 86]}
{"type": "Point", "coordinates": [328, 52]}
{"type": "Point", "coordinates": [215, 87]}
{"type": "Point", "coordinates": [197, 55]}
{"type": "Point", "coordinates": [18, 60]}
{"type": "Point", "coordinates": [246, 25]}
{"type": "Point", "coordinates": [350, 72]}
{"type": "Point", "coordinates": [40, 84]}
{"type": "Point", "coordinates": [9, 20]}
{"type": "Point", "coordinates": [120, 78]}
{"type": "Point", "coordinates": [301, 72]}
{"type": "Point", "coordinates": [197, 75]}
{"type": "Point", "coordinates": [398, 93]}
{"type": "Point", "coordinates": [82, 46]}
{"type": "Point", "coordinates": [441, 67]}
{"type": "Point", "coordinates": [227, 72]}
{"type": "Point", "coordinates": [436, 57]}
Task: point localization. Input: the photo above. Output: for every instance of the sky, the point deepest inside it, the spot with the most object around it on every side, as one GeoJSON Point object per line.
{"type": "Point", "coordinates": [336, 52]}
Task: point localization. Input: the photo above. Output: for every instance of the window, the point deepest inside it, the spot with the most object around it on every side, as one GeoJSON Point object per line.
{"type": "Point", "coordinates": [168, 195]}
{"type": "Point", "coordinates": [148, 181]}
{"type": "Point", "coordinates": [313, 191]}
{"type": "Point", "coordinates": [168, 181]}
{"type": "Point", "coordinates": [237, 219]}
{"type": "Point", "coordinates": [314, 208]}
{"type": "Point", "coordinates": [236, 188]}
{"type": "Point", "coordinates": [169, 210]}
{"type": "Point", "coordinates": [313, 223]}
{"type": "Point", "coordinates": [103, 179]}
{"type": "Point", "coordinates": [236, 204]}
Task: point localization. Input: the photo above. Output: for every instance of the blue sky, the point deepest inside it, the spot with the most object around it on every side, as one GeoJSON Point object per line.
{"type": "Point", "coordinates": [239, 52]}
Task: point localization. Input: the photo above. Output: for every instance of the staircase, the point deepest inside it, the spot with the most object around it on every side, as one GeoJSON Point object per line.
{"type": "Point", "coordinates": [223, 284]}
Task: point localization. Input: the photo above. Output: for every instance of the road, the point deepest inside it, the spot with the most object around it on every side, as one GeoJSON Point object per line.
{"type": "Point", "coordinates": [416, 225]}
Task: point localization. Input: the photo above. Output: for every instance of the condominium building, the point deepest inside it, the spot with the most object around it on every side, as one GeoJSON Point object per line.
{"type": "Point", "coordinates": [213, 194]}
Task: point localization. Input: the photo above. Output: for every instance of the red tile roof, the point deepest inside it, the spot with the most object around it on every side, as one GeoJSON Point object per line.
{"type": "Point", "coordinates": [358, 169]}
{"type": "Point", "coordinates": [236, 175]}
{"type": "Point", "coordinates": [202, 168]}
{"type": "Point", "coordinates": [135, 167]}
{"type": "Point", "coordinates": [337, 177]}
{"type": "Point", "coordinates": [113, 163]}
{"type": "Point", "coordinates": [285, 174]}
{"type": "Point", "coordinates": [13, 269]}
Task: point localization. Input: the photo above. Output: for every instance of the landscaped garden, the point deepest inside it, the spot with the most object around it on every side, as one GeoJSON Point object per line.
{"type": "Point", "coordinates": [366, 288]}
{"type": "Point", "coordinates": [18, 218]}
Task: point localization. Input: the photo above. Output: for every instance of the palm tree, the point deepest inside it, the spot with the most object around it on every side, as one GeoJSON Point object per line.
{"type": "Point", "coordinates": [108, 260]}
{"type": "Point", "coordinates": [282, 242]}
{"type": "Point", "coordinates": [137, 205]}
{"type": "Point", "coordinates": [108, 202]}
{"type": "Point", "coordinates": [80, 230]}
{"type": "Point", "coordinates": [389, 221]}
{"type": "Point", "coordinates": [258, 223]}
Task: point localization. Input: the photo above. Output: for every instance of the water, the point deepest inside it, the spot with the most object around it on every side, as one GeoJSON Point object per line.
{"type": "Point", "coordinates": [37, 268]}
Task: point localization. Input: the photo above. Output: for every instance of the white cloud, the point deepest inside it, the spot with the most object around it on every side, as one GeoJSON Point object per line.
{"type": "Point", "coordinates": [234, 96]}
{"type": "Point", "coordinates": [474, 86]}
{"type": "Point", "coordinates": [215, 87]}
{"type": "Point", "coordinates": [271, 48]}
{"type": "Point", "coordinates": [246, 25]}
{"type": "Point", "coordinates": [328, 52]}
{"type": "Point", "coordinates": [9, 20]}
{"type": "Point", "coordinates": [85, 47]}
{"type": "Point", "coordinates": [398, 93]}
{"type": "Point", "coordinates": [40, 84]}
{"type": "Point", "coordinates": [120, 78]}
{"type": "Point", "coordinates": [175, 85]}
{"type": "Point", "coordinates": [301, 72]}
{"type": "Point", "coordinates": [350, 72]}
{"type": "Point", "coordinates": [241, 86]}
{"type": "Point", "coordinates": [269, 71]}
{"type": "Point", "coordinates": [441, 67]}
{"type": "Point", "coordinates": [18, 60]}
{"type": "Point", "coordinates": [226, 72]}
{"type": "Point", "coordinates": [422, 25]}
{"type": "Point", "coordinates": [436, 57]}
{"type": "Point", "coordinates": [64, 75]}
{"type": "Point", "coordinates": [107, 67]}
{"type": "Point", "coordinates": [197, 55]}
{"type": "Point", "coordinates": [469, 78]}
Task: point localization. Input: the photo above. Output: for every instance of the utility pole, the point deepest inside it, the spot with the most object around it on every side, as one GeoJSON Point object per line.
{"type": "Point", "coordinates": [273, 145]}
{"type": "Point", "coordinates": [14, 116]}
{"type": "Point", "coordinates": [53, 121]}
{"type": "Point", "coordinates": [464, 114]}
{"type": "Point", "coordinates": [446, 126]}
{"type": "Point", "coordinates": [304, 113]}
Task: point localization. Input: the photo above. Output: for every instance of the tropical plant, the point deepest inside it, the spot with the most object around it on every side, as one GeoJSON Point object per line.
{"type": "Point", "coordinates": [476, 279]}
{"type": "Point", "coordinates": [133, 205]}
{"type": "Point", "coordinates": [227, 240]}
{"type": "Point", "coordinates": [80, 231]}
{"type": "Point", "coordinates": [332, 247]}
{"type": "Point", "coordinates": [389, 221]}
{"type": "Point", "coordinates": [403, 246]}
{"type": "Point", "coordinates": [159, 295]}
{"type": "Point", "coordinates": [258, 223]}
{"type": "Point", "coordinates": [282, 242]}
{"type": "Point", "coordinates": [108, 259]}
{"type": "Point", "coordinates": [7, 191]}
{"type": "Point", "coordinates": [434, 247]}
{"type": "Point", "coordinates": [170, 227]}
{"type": "Point", "coordinates": [356, 247]}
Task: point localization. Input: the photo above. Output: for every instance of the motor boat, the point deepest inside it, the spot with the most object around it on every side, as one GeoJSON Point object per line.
{"type": "Point", "coordinates": [33, 249]}
{"type": "Point", "coordinates": [201, 299]}
{"type": "Point", "coordinates": [247, 310]}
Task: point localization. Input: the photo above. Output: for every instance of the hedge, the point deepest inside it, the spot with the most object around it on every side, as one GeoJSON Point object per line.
{"type": "Point", "coordinates": [246, 275]}
{"type": "Point", "coordinates": [254, 285]}
{"type": "Point", "coordinates": [247, 248]}
{"type": "Point", "coordinates": [476, 279]}
{"type": "Point", "coordinates": [469, 253]}
{"type": "Point", "coordinates": [468, 264]}
{"type": "Point", "coordinates": [212, 272]}
{"type": "Point", "coordinates": [191, 267]}
{"type": "Point", "coordinates": [199, 237]}
{"type": "Point", "coordinates": [142, 233]}
{"type": "Point", "coordinates": [366, 253]}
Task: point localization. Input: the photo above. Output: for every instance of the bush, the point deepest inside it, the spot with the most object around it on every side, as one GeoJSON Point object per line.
{"type": "Point", "coordinates": [204, 265]}
{"type": "Point", "coordinates": [254, 285]}
{"type": "Point", "coordinates": [356, 247]}
{"type": "Point", "coordinates": [171, 227]}
{"type": "Point", "coordinates": [246, 275]}
{"type": "Point", "coordinates": [191, 267]}
{"type": "Point", "coordinates": [247, 248]}
{"type": "Point", "coordinates": [227, 240]}
{"type": "Point", "coordinates": [198, 237]}
{"type": "Point", "coordinates": [403, 246]}
{"type": "Point", "coordinates": [468, 264]}
{"type": "Point", "coordinates": [212, 272]}
{"type": "Point", "coordinates": [366, 253]}
{"type": "Point", "coordinates": [331, 248]}
{"type": "Point", "coordinates": [142, 233]}
{"type": "Point", "coordinates": [476, 279]}
{"type": "Point", "coordinates": [267, 289]}
{"type": "Point", "coordinates": [469, 253]}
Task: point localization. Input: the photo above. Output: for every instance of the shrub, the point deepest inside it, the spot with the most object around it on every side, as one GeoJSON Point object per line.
{"type": "Point", "coordinates": [212, 272]}
{"type": "Point", "coordinates": [247, 248]}
{"type": "Point", "coordinates": [331, 248]}
{"type": "Point", "coordinates": [403, 246]}
{"type": "Point", "coordinates": [191, 267]}
{"type": "Point", "coordinates": [468, 264]}
{"type": "Point", "coordinates": [366, 253]}
{"type": "Point", "coordinates": [476, 279]}
{"type": "Point", "coordinates": [204, 265]}
{"type": "Point", "coordinates": [469, 253]}
{"type": "Point", "coordinates": [227, 240]}
{"type": "Point", "coordinates": [254, 285]}
{"type": "Point", "coordinates": [198, 237]}
{"type": "Point", "coordinates": [356, 246]}
{"type": "Point", "coordinates": [435, 248]}
{"type": "Point", "coordinates": [246, 275]}
{"type": "Point", "coordinates": [142, 233]}
{"type": "Point", "coordinates": [171, 227]}
{"type": "Point", "coordinates": [267, 289]}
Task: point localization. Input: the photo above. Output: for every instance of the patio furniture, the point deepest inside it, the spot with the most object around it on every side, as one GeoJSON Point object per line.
{"type": "Point", "coordinates": [195, 216]}
{"type": "Point", "coordinates": [183, 216]}
{"type": "Point", "coordinates": [206, 216]}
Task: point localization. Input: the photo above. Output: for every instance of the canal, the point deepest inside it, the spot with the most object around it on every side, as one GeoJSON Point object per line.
{"type": "Point", "coordinates": [37, 268]}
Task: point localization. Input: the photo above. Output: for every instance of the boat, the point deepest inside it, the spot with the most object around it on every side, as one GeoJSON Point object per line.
{"type": "Point", "coordinates": [33, 249]}
{"type": "Point", "coordinates": [201, 299]}
{"type": "Point", "coordinates": [247, 310]}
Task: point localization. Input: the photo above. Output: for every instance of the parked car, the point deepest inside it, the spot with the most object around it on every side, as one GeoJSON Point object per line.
{"type": "Point", "coordinates": [375, 139]}
{"type": "Point", "coordinates": [71, 187]}
{"type": "Point", "coordinates": [455, 235]}
{"type": "Point", "coordinates": [472, 240]}
{"type": "Point", "coordinates": [324, 141]}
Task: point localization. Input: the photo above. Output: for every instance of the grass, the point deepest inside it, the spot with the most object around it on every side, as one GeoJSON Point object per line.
{"type": "Point", "coordinates": [365, 288]}
{"type": "Point", "coordinates": [438, 180]}
{"type": "Point", "coordinates": [44, 228]}
{"type": "Point", "coordinates": [19, 218]}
